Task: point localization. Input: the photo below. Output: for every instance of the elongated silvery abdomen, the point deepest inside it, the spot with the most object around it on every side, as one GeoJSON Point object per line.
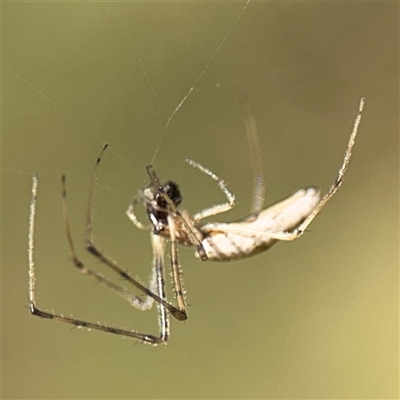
{"type": "Point", "coordinates": [249, 236]}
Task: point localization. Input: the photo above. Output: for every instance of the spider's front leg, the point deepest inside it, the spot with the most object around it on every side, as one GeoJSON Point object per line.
{"type": "Point", "coordinates": [158, 268]}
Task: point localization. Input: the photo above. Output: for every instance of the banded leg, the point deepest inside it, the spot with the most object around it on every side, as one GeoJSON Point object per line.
{"type": "Point", "coordinates": [130, 212]}
{"type": "Point", "coordinates": [175, 267]}
{"type": "Point", "coordinates": [299, 231]}
{"type": "Point", "coordinates": [132, 299]}
{"type": "Point", "coordinates": [91, 248]}
{"type": "Point", "coordinates": [158, 273]}
{"type": "Point", "coordinates": [219, 208]}
{"type": "Point", "coordinates": [259, 188]}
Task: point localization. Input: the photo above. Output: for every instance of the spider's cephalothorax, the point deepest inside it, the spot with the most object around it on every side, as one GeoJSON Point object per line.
{"type": "Point", "coordinates": [157, 207]}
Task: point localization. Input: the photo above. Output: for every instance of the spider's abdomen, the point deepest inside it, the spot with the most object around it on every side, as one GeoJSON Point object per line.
{"type": "Point", "coordinates": [245, 238]}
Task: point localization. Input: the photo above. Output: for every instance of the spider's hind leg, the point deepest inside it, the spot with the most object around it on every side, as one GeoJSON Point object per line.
{"type": "Point", "coordinates": [299, 231]}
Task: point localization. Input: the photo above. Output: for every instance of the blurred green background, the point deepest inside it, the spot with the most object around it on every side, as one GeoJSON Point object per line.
{"type": "Point", "coordinates": [316, 318]}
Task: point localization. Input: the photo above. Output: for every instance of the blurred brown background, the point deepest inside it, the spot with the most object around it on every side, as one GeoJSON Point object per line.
{"type": "Point", "coordinates": [317, 318]}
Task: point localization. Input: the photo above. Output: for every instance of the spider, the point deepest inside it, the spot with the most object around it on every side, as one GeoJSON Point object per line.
{"type": "Point", "coordinates": [286, 220]}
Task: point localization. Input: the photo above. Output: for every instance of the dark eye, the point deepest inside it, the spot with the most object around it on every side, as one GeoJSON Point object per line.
{"type": "Point", "coordinates": [172, 190]}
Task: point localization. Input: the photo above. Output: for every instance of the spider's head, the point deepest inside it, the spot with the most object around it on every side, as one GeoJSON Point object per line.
{"type": "Point", "coordinates": [158, 206]}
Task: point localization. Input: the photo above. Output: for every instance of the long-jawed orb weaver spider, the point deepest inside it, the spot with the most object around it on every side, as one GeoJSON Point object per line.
{"type": "Point", "coordinates": [286, 220]}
